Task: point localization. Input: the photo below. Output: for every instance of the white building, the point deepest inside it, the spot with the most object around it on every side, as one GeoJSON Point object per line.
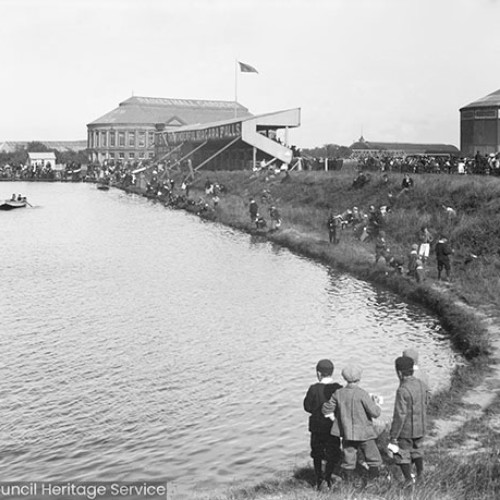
{"type": "Point", "coordinates": [42, 159]}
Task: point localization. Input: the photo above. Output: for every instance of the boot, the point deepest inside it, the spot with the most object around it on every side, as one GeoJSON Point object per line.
{"type": "Point", "coordinates": [419, 465]}
{"type": "Point", "coordinates": [373, 473]}
{"type": "Point", "coordinates": [408, 478]}
{"type": "Point", "coordinates": [318, 472]}
{"type": "Point", "coordinates": [347, 475]}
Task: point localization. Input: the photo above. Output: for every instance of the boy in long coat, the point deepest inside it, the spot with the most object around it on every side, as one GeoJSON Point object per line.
{"type": "Point", "coordinates": [354, 409]}
{"type": "Point", "coordinates": [409, 420]}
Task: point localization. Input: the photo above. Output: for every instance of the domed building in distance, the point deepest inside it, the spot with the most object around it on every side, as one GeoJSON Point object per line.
{"type": "Point", "coordinates": [479, 125]}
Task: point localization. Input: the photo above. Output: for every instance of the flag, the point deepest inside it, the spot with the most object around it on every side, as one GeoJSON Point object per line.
{"type": "Point", "coordinates": [246, 68]}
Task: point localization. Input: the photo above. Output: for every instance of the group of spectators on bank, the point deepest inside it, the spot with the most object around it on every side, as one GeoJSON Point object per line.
{"type": "Point", "coordinates": [371, 226]}
{"type": "Point", "coordinates": [434, 164]}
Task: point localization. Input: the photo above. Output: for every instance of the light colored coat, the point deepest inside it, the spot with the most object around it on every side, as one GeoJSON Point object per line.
{"type": "Point", "coordinates": [354, 410]}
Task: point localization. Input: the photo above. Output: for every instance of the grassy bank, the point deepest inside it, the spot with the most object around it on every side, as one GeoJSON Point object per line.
{"type": "Point", "coordinates": [304, 201]}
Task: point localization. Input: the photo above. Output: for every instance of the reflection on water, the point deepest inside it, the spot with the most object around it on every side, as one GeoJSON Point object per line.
{"type": "Point", "coordinates": [141, 343]}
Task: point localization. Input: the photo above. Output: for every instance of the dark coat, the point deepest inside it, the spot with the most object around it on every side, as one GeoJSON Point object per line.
{"type": "Point", "coordinates": [316, 395]}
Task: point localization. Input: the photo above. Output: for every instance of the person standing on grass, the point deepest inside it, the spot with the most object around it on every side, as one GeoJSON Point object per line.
{"type": "Point", "coordinates": [253, 209]}
{"type": "Point", "coordinates": [275, 217]}
{"type": "Point", "coordinates": [412, 261]}
{"type": "Point", "coordinates": [443, 252]}
{"type": "Point", "coordinates": [324, 446]}
{"type": "Point", "coordinates": [409, 421]}
{"type": "Point", "coordinates": [353, 411]}
{"type": "Point", "coordinates": [380, 247]}
{"type": "Point", "coordinates": [425, 239]}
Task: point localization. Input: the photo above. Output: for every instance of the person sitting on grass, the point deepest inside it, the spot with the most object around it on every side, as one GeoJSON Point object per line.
{"type": "Point", "coordinates": [409, 421]}
{"type": "Point", "coordinates": [407, 183]}
{"type": "Point", "coordinates": [260, 222]}
{"type": "Point", "coordinates": [324, 446]}
{"type": "Point", "coordinates": [353, 411]}
{"type": "Point", "coordinates": [396, 263]}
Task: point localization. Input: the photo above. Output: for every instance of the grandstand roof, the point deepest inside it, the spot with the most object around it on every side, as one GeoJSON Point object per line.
{"type": "Point", "coordinates": [407, 147]}
{"type": "Point", "coordinates": [491, 100]}
{"type": "Point", "coordinates": [153, 110]}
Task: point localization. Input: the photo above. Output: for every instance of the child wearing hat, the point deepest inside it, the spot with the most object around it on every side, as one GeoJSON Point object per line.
{"type": "Point", "coordinates": [354, 410]}
{"type": "Point", "coordinates": [324, 446]}
{"type": "Point", "coordinates": [409, 421]}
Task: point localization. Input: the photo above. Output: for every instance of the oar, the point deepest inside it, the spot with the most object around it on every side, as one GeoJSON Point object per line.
{"type": "Point", "coordinates": [28, 203]}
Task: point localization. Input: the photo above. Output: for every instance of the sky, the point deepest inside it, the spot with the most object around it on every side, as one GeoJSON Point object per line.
{"type": "Point", "coordinates": [391, 70]}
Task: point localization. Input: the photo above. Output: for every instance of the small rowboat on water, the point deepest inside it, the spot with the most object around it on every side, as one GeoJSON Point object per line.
{"type": "Point", "coordinates": [12, 204]}
{"type": "Point", "coordinates": [103, 187]}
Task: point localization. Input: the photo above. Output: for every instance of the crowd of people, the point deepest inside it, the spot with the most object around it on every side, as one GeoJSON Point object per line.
{"type": "Point", "coordinates": [433, 164]}
{"type": "Point", "coordinates": [371, 226]}
{"type": "Point", "coordinates": [342, 424]}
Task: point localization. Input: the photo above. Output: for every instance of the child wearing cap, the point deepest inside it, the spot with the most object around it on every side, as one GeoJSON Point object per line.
{"type": "Point", "coordinates": [324, 446]}
{"type": "Point", "coordinates": [354, 410]}
{"type": "Point", "coordinates": [409, 421]}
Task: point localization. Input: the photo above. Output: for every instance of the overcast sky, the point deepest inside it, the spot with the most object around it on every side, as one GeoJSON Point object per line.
{"type": "Point", "coordinates": [397, 70]}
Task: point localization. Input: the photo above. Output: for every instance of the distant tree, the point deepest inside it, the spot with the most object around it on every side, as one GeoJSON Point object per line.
{"type": "Point", "coordinates": [72, 157]}
{"type": "Point", "coordinates": [37, 147]}
{"type": "Point", "coordinates": [17, 157]}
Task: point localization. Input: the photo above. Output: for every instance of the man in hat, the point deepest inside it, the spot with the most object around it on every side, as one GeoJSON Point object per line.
{"type": "Point", "coordinates": [324, 446]}
{"type": "Point", "coordinates": [354, 409]}
{"type": "Point", "coordinates": [409, 421]}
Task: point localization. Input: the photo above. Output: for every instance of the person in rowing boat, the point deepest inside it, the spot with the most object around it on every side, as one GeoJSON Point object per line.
{"type": "Point", "coordinates": [19, 197]}
{"type": "Point", "coordinates": [13, 197]}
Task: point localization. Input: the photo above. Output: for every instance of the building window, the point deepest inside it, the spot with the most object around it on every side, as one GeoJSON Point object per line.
{"type": "Point", "coordinates": [151, 138]}
{"type": "Point", "coordinates": [112, 139]}
{"type": "Point", "coordinates": [121, 156]}
{"type": "Point", "coordinates": [131, 156]}
{"type": "Point", "coordinates": [103, 139]}
{"type": "Point", "coordinates": [141, 155]}
{"type": "Point", "coordinates": [96, 139]}
{"type": "Point", "coordinates": [151, 155]}
{"type": "Point", "coordinates": [141, 139]}
{"type": "Point", "coordinates": [121, 139]}
{"type": "Point", "coordinates": [131, 139]}
{"type": "Point", "coordinates": [111, 156]}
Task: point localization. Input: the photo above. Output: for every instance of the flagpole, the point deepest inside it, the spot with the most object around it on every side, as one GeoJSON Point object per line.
{"type": "Point", "coordinates": [235, 85]}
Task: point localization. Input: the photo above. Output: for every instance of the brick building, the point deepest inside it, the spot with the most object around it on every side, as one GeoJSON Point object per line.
{"type": "Point", "coordinates": [127, 133]}
{"type": "Point", "coordinates": [480, 125]}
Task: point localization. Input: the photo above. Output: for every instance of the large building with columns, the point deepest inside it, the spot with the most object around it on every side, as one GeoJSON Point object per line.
{"type": "Point", "coordinates": [127, 133]}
